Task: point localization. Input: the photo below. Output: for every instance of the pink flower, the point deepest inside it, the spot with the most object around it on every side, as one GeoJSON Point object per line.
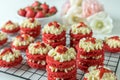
{"type": "Point", "coordinates": [90, 7]}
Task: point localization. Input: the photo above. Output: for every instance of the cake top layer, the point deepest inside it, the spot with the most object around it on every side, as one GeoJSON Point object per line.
{"type": "Point", "coordinates": [30, 23]}
{"type": "Point", "coordinates": [80, 28]}
{"type": "Point", "coordinates": [62, 53]}
{"type": "Point", "coordinates": [39, 48]}
{"type": "Point", "coordinates": [9, 25]}
{"type": "Point", "coordinates": [53, 28]}
{"type": "Point", "coordinates": [9, 54]}
{"type": "Point", "coordinates": [90, 44]}
{"type": "Point", "coordinates": [2, 36]}
{"type": "Point", "coordinates": [100, 73]}
{"type": "Point", "coordinates": [113, 42]}
{"type": "Point", "coordinates": [23, 39]}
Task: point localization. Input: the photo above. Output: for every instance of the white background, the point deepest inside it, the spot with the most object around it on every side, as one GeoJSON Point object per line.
{"type": "Point", "coordinates": [9, 8]}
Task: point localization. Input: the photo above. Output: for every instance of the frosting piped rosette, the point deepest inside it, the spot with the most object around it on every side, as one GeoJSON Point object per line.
{"type": "Point", "coordinates": [61, 62]}
{"type": "Point", "coordinates": [112, 44]}
{"type": "Point", "coordinates": [54, 33]}
{"type": "Point", "coordinates": [3, 38]}
{"type": "Point", "coordinates": [89, 53]}
{"type": "Point", "coordinates": [36, 54]}
{"type": "Point", "coordinates": [10, 27]}
{"type": "Point", "coordinates": [10, 57]}
{"type": "Point", "coordinates": [30, 26]}
{"type": "Point", "coordinates": [100, 73]}
{"type": "Point", "coordinates": [21, 42]}
{"type": "Point", "coordinates": [79, 31]}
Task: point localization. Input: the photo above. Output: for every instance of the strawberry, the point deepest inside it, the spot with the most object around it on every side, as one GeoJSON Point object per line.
{"type": "Point", "coordinates": [56, 24]}
{"type": "Point", "coordinates": [50, 24]}
{"type": "Point", "coordinates": [36, 3]}
{"type": "Point", "coordinates": [6, 50]}
{"type": "Point", "coordinates": [82, 24]}
{"type": "Point", "coordinates": [30, 13]}
{"type": "Point", "coordinates": [44, 7]}
{"type": "Point", "coordinates": [22, 12]}
{"type": "Point", "coordinates": [61, 49]}
{"type": "Point", "coordinates": [52, 10]}
{"type": "Point", "coordinates": [39, 14]}
{"type": "Point", "coordinates": [43, 45]}
{"type": "Point", "coordinates": [9, 22]}
{"type": "Point", "coordinates": [31, 20]}
{"type": "Point", "coordinates": [28, 8]}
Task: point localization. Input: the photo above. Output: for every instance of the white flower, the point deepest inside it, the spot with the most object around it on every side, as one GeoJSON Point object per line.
{"type": "Point", "coordinates": [73, 16]}
{"type": "Point", "coordinates": [101, 23]}
{"type": "Point", "coordinates": [75, 2]}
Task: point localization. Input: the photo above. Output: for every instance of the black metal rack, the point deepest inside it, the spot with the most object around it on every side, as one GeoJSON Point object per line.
{"type": "Point", "coordinates": [25, 72]}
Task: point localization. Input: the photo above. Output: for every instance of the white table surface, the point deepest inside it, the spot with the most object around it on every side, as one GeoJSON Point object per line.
{"type": "Point", "coordinates": [9, 7]}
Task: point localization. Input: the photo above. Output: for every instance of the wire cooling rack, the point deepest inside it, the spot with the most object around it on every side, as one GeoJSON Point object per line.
{"type": "Point", "coordinates": [25, 72]}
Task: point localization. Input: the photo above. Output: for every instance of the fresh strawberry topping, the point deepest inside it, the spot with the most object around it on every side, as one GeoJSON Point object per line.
{"type": "Point", "coordinates": [90, 40]}
{"type": "Point", "coordinates": [6, 50]}
{"type": "Point", "coordinates": [61, 49]}
{"type": "Point", "coordinates": [102, 71]}
{"type": "Point", "coordinates": [9, 22]}
{"type": "Point", "coordinates": [39, 44]}
{"type": "Point", "coordinates": [54, 24]}
{"type": "Point", "coordinates": [32, 20]}
{"type": "Point", "coordinates": [82, 24]}
{"type": "Point", "coordinates": [115, 37]}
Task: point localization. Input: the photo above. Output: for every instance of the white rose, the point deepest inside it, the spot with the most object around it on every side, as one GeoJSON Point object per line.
{"type": "Point", "coordinates": [72, 16]}
{"type": "Point", "coordinates": [100, 23]}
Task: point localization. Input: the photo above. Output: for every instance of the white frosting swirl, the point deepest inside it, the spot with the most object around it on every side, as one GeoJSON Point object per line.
{"type": "Point", "coordinates": [83, 30]}
{"type": "Point", "coordinates": [28, 24]}
{"type": "Point", "coordinates": [2, 36]}
{"type": "Point", "coordinates": [27, 41]}
{"type": "Point", "coordinates": [9, 56]}
{"type": "Point", "coordinates": [89, 46]}
{"type": "Point", "coordinates": [67, 56]}
{"type": "Point", "coordinates": [113, 43]}
{"type": "Point", "coordinates": [95, 75]}
{"type": "Point", "coordinates": [53, 30]}
{"type": "Point", "coordinates": [11, 26]}
{"type": "Point", "coordinates": [40, 50]}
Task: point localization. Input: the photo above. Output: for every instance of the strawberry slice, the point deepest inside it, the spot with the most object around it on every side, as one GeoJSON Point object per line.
{"type": "Point", "coordinates": [102, 71]}
{"type": "Point", "coordinates": [82, 24]}
{"type": "Point", "coordinates": [32, 20]}
{"type": "Point", "coordinates": [90, 40]}
{"type": "Point", "coordinates": [61, 49]}
{"type": "Point", "coordinates": [56, 24]}
{"type": "Point", "coordinates": [6, 50]}
{"type": "Point", "coordinates": [9, 22]}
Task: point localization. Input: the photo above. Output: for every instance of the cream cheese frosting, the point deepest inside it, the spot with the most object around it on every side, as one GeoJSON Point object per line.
{"type": "Point", "coordinates": [30, 23]}
{"type": "Point", "coordinates": [42, 62]}
{"type": "Point", "coordinates": [95, 75]}
{"type": "Point", "coordinates": [68, 55]}
{"type": "Point", "coordinates": [26, 40]}
{"type": "Point", "coordinates": [10, 25]}
{"type": "Point", "coordinates": [52, 29]}
{"type": "Point", "coordinates": [9, 56]}
{"type": "Point", "coordinates": [89, 45]}
{"type": "Point", "coordinates": [113, 43]}
{"type": "Point", "coordinates": [2, 36]}
{"type": "Point", "coordinates": [78, 28]}
{"type": "Point", "coordinates": [35, 48]}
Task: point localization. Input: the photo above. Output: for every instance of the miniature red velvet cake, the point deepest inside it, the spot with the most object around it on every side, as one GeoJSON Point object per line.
{"type": "Point", "coordinates": [10, 27]}
{"type": "Point", "coordinates": [21, 42]}
{"type": "Point", "coordinates": [79, 31]}
{"type": "Point", "coordinates": [36, 55]}
{"type": "Point", "coordinates": [30, 26]}
{"type": "Point", "coordinates": [89, 53]}
{"type": "Point", "coordinates": [3, 38]}
{"type": "Point", "coordinates": [61, 63]}
{"type": "Point", "coordinates": [99, 73]}
{"type": "Point", "coordinates": [54, 34]}
{"type": "Point", "coordinates": [112, 44]}
{"type": "Point", "coordinates": [10, 57]}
